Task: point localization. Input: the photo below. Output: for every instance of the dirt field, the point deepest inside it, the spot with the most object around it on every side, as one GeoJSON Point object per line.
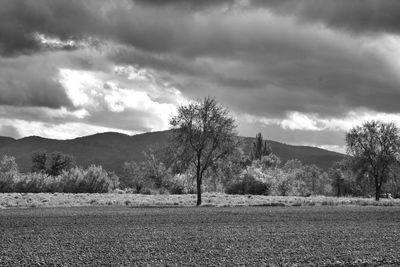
{"type": "Point", "coordinates": [205, 236]}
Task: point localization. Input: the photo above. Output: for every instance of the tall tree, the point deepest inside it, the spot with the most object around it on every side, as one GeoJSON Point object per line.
{"type": "Point", "coordinates": [260, 148]}
{"type": "Point", "coordinates": [203, 134]}
{"type": "Point", "coordinates": [374, 147]}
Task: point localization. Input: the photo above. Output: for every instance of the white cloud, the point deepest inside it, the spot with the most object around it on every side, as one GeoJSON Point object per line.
{"type": "Point", "coordinates": [81, 86]}
{"type": "Point", "coordinates": [53, 42]}
{"type": "Point", "coordinates": [300, 121]}
{"type": "Point", "coordinates": [312, 122]}
{"type": "Point", "coordinates": [135, 93]}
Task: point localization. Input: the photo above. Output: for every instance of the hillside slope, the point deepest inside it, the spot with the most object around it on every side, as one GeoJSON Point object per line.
{"type": "Point", "coordinates": [111, 149]}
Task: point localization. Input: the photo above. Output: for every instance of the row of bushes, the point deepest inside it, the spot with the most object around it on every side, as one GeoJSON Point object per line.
{"type": "Point", "coordinates": [292, 179]}
{"type": "Point", "coordinates": [94, 179]}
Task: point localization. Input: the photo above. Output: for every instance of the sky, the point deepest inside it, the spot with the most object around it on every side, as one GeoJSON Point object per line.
{"type": "Point", "coordinates": [299, 71]}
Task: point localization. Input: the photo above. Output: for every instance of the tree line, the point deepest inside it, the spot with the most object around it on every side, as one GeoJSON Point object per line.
{"type": "Point", "coordinates": [204, 153]}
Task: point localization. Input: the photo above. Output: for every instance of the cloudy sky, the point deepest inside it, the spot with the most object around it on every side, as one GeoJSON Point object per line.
{"type": "Point", "coordinates": [299, 71]}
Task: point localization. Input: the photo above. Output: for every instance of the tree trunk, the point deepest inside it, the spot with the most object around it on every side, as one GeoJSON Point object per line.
{"type": "Point", "coordinates": [377, 195]}
{"type": "Point", "coordinates": [198, 181]}
{"type": "Point", "coordinates": [198, 191]}
{"type": "Point", "coordinates": [377, 190]}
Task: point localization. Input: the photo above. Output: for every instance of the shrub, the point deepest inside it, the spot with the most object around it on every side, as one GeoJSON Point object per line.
{"type": "Point", "coordinates": [93, 180]}
{"type": "Point", "coordinates": [99, 181]}
{"type": "Point", "coordinates": [73, 180]}
{"type": "Point", "coordinates": [8, 173]}
{"type": "Point", "coordinates": [37, 183]}
{"type": "Point", "coordinates": [248, 185]}
{"type": "Point", "coordinates": [7, 181]}
{"type": "Point", "coordinates": [180, 184]}
{"type": "Point", "coordinates": [134, 176]}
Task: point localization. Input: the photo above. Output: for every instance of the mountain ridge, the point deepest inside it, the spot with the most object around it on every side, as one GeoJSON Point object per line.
{"type": "Point", "coordinates": [112, 149]}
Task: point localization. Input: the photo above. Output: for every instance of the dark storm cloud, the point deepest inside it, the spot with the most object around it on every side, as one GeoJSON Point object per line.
{"type": "Point", "coordinates": [354, 15]}
{"type": "Point", "coordinates": [360, 16]}
{"type": "Point", "coordinates": [27, 81]}
{"type": "Point", "coordinates": [21, 20]}
{"type": "Point", "coordinates": [185, 4]}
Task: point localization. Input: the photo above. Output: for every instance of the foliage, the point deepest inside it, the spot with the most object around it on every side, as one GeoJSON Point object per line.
{"type": "Point", "coordinates": [60, 162]}
{"type": "Point", "coordinates": [133, 176]}
{"type": "Point", "coordinates": [181, 184]}
{"type": "Point", "coordinates": [38, 183]}
{"type": "Point", "coordinates": [346, 182]}
{"type": "Point", "coordinates": [97, 180]}
{"type": "Point", "coordinates": [222, 172]}
{"type": "Point", "coordinates": [202, 135]}
{"type": "Point", "coordinates": [393, 184]}
{"type": "Point", "coordinates": [53, 164]}
{"type": "Point", "coordinates": [374, 147]}
{"type": "Point", "coordinates": [76, 180]}
{"type": "Point", "coordinates": [151, 173]}
{"type": "Point", "coordinates": [155, 170]}
{"type": "Point", "coordinates": [39, 160]}
{"type": "Point", "coordinates": [292, 165]}
{"type": "Point", "coordinates": [270, 161]}
{"type": "Point", "coordinates": [248, 184]}
{"type": "Point", "coordinates": [8, 173]}
{"type": "Point", "coordinates": [92, 180]}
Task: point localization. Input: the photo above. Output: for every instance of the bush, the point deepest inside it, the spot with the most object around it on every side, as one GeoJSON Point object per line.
{"type": "Point", "coordinates": [180, 184]}
{"type": "Point", "coordinates": [133, 176]}
{"type": "Point", "coordinates": [93, 180]}
{"type": "Point", "coordinates": [37, 183]}
{"type": "Point", "coordinates": [248, 185]}
{"type": "Point", "coordinates": [7, 181]}
{"type": "Point", "coordinates": [73, 180]}
{"type": "Point", "coordinates": [8, 173]}
{"type": "Point", "coordinates": [76, 180]}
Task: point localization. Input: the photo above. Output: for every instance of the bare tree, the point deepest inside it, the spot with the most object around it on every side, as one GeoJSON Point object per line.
{"type": "Point", "coordinates": [374, 147]}
{"type": "Point", "coordinates": [203, 134]}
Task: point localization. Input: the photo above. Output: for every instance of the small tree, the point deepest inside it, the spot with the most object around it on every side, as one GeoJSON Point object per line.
{"type": "Point", "coordinates": [59, 162]}
{"type": "Point", "coordinates": [202, 135]}
{"type": "Point", "coordinates": [52, 165]}
{"type": "Point", "coordinates": [155, 169]}
{"type": "Point", "coordinates": [311, 177]}
{"type": "Point", "coordinates": [133, 176]}
{"type": "Point", "coordinates": [39, 160]}
{"type": "Point", "coordinates": [375, 148]}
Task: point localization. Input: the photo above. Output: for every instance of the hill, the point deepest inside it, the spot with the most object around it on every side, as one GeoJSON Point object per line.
{"type": "Point", "coordinates": [111, 149]}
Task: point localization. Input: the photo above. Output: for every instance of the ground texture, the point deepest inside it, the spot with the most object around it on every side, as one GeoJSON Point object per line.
{"type": "Point", "coordinates": [205, 236]}
{"type": "Point", "coordinates": [35, 200]}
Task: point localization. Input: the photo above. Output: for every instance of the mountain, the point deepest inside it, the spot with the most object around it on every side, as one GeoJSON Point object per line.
{"type": "Point", "coordinates": [111, 149]}
{"type": "Point", "coordinates": [4, 141]}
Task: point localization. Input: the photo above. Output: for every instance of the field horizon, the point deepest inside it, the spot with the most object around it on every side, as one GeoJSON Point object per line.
{"type": "Point", "coordinates": [118, 199]}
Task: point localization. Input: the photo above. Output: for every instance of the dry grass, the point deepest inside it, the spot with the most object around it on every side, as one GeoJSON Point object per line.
{"type": "Point", "coordinates": [31, 200]}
